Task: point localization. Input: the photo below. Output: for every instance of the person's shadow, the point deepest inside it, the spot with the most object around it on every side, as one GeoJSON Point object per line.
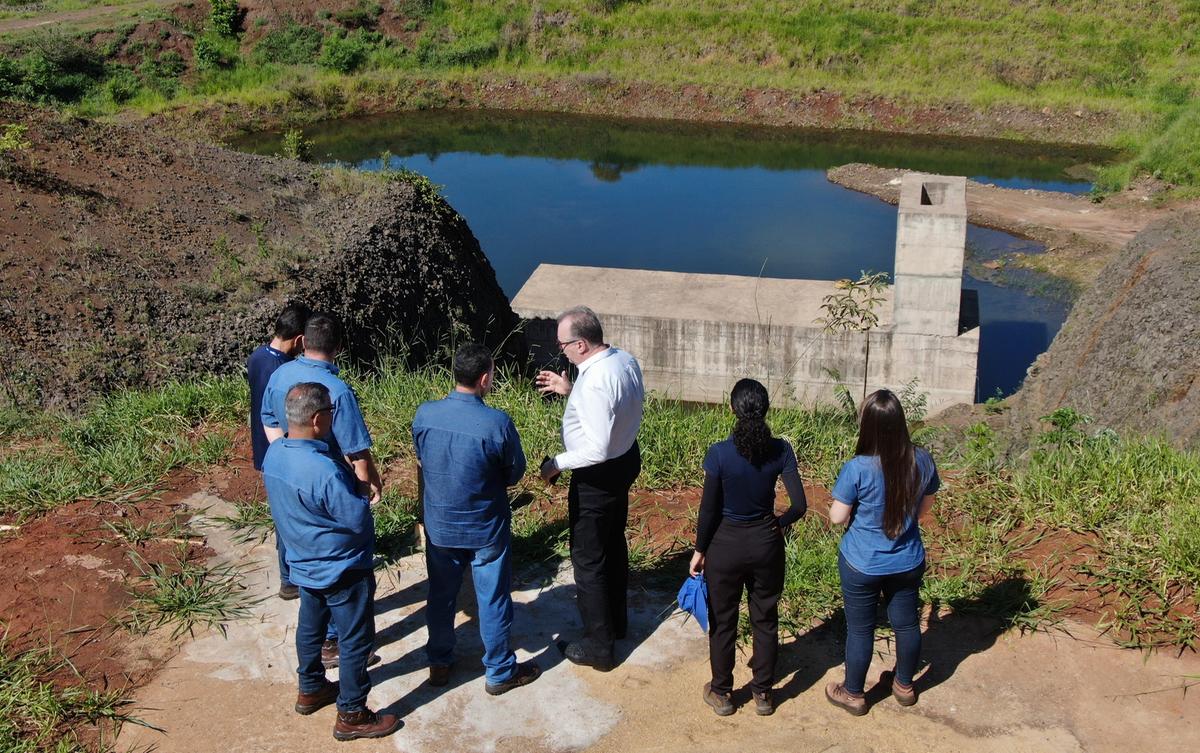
{"type": "Point", "coordinates": [972, 627]}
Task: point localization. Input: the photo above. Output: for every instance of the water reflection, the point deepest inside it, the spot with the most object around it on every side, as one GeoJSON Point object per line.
{"type": "Point", "coordinates": [702, 198]}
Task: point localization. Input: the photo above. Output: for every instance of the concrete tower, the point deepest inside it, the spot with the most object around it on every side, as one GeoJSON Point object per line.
{"type": "Point", "coordinates": [931, 236]}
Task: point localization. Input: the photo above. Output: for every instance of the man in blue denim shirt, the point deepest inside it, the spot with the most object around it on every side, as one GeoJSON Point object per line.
{"type": "Point", "coordinates": [469, 455]}
{"type": "Point", "coordinates": [347, 437]}
{"type": "Point", "coordinates": [329, 535]}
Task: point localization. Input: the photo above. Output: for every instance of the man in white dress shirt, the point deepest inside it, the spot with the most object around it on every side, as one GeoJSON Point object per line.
{"type": "Point", "coordinates": [600, 426]}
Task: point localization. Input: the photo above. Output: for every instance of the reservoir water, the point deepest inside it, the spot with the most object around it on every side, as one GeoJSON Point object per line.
{"type": "Point", "coordinates": [702, 198]}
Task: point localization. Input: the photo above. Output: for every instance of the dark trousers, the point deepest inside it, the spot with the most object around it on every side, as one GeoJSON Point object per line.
{"type": "Point", "coordinates": [598, 505]}
{"type": "Point", "coordinates": [349, 604]}
{"type": "Point", "coordinates": [860, 593]}
{"type": "Point", "coordinates": [744, 556]}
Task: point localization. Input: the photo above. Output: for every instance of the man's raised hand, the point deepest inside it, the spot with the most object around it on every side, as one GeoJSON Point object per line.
{"type": "Point", "coordinates": [549, 383]}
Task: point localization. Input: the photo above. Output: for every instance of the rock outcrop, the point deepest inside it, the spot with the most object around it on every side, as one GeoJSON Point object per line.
{"type": "Point", "coordinates": [1129, 354]}
{"type": "Point", "coordinates": [129, 259]}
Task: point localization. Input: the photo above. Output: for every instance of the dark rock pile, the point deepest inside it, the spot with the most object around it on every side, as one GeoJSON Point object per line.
{"type": "Point", "coordinates": [128, 259]}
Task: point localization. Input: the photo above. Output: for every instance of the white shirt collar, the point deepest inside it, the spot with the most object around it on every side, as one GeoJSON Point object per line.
{"type": "Point", "coordinates": [592, 359]}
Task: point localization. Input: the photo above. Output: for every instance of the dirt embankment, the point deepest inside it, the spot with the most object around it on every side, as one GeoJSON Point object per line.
{"type": "Point", "coordinates": [128, 259]}
{"type": "Point", "coordinates": [1128, 354]}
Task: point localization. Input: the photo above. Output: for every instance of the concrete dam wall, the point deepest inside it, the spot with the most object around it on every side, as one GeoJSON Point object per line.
{"type": "Point", "coordinates": [696, 334]}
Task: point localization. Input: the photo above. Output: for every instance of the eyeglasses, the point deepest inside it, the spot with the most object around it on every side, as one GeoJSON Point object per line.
{"type": "Point", "coordinates": [562, 344]}
{"type": "Point", "coordinates": [329, 408]}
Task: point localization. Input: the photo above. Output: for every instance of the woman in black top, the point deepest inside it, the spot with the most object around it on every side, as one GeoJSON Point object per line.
{"type": "Point", "coordinates": [739, 543]}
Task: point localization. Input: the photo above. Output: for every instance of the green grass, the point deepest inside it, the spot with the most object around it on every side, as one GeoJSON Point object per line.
{"type": "Point", "coordinates": [1137, 499]}
{"type": "Point", "coordinates": [1120, 59]}
{"type": "Point", "coordinates": [38, 715]}
{"type": "Point", "coordinates": [121, 448]}
{"type": "Point", "coordinates": [186, 594]}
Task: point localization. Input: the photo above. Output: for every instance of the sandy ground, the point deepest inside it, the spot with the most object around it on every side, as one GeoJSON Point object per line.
{"type": "Point", "coordinates": [980, 691]}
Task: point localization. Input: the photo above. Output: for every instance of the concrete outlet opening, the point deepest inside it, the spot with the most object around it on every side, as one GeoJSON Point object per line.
{"type": "Point", "coordinates": [932, 194]}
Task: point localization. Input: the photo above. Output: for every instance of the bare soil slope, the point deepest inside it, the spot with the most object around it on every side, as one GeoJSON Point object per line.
{"type": "Point", "coordinates": [127, 259]}
{"type": "Point", "coordinates": [1128, 354]}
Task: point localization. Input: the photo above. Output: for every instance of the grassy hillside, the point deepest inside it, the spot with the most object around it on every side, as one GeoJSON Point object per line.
{"type": "Point", "coordinates": [1133, 65]}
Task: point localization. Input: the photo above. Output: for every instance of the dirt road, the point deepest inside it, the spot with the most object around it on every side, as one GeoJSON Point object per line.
{"type": "Point", "coordinates": [77, 18]}
{"type": "Point", "coordinates": [981, 691]}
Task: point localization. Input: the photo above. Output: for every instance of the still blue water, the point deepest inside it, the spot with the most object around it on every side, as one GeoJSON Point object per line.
{"type": "Point", "coordinates": [712, 199]}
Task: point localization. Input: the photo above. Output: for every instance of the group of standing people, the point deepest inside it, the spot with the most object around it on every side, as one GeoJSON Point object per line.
{"type": "Point", "coordinates": [314, 451]}
{"type": "Point", "coordinates": [313, 448]}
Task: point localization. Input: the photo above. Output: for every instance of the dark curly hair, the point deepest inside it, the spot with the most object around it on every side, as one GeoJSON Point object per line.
{"type": "Point", "coordinates": [751, 435]}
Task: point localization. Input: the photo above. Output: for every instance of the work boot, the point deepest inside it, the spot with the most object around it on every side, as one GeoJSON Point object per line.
{"type": "Point", "coordinates": [439, 675]}
{"type": "Point", "coordinates": [577, 654]}
{"type": "Point", "coordinates": [764, 703]}
{"type": "Point", "coordinates": [722, 703]}
{"type": "Point", "coordinates": [366, 723]}
{"type": "Point", "coordinates": [904, 695]}
{"type": "Point", "coordinates": [525, 674]}
{"type": "Point", "coordinates": [289, 592]}
{"type": "Point", "coordinates": [308, 703]}
{"type": "Point", "coordinates": [839, 696]}
{"type": "Point", "coordinates": [331, 656]}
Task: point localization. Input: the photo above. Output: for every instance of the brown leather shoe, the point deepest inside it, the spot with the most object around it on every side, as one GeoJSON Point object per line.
{"type": "Point", "coordinates": [764, 703]}
{"type": "Point", "coordinates": [839, 696]}
{"type": "Point", "coordinates": [525, 674]}
{"type": "Point", "coordinates": [905, 696]}
{"type": "Point", "coordinates": [331, 656]}
{"type": "Point", "coordinates": [308, 703]}
{"type": "Point", "coordinates": [365, 723]}
{"type": "Point", "coordinates": [722, 703]}
{"type": "Point", "coordinates": [439, 675]}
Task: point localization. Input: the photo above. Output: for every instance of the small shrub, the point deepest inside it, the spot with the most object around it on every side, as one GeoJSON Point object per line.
{"type": "Point", "coordinates": [121, 85]}
{"type": "Point", "coordinates": [363, 16]}
{"type": "Point", "coordinates": [346, 53]}
{"type": "Point", "coordinates": [295, 146]}
{"type": "Point", "coordinates": [12, 138]}
{"type": "Point", "coordinates": [224, 17]}
{"type": "Point", "coordinates": [215, 53]}
{"type": "Point", "coordinates": [293, 44]}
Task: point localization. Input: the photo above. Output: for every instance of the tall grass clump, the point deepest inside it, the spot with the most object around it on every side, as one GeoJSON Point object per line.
{"type": "Point", "coordinates": [125, 443]}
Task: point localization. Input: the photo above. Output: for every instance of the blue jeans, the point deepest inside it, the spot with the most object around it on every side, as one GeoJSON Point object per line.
{"type": "Point", "coordinates": [491, 573]}
{"type": "Point", "coordinates": [860, 593]}
{"type": "Point", "coordinates": [285, 579]}
{"type": "Point", "coordinates": [349, 604]}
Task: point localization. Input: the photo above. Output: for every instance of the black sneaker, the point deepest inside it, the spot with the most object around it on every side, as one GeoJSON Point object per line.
{"type": "Point", "coordinates": [577, 654]}
{"type": "Point", "coordinates": [289, 592]}
{"type": "Point", "coordinates": [525, 674]}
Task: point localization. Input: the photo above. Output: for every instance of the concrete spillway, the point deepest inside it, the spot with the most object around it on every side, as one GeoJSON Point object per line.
{"type": "Point", "coordinates": [696, 334]}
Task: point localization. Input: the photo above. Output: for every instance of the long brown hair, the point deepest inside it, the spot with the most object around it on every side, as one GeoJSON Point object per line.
{"type": "Point", "coordinates": [883, 432]}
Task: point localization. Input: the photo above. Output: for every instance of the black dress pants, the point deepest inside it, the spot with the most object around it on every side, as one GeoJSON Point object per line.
{"type": "Point", "coordinates": [744, 556]}
{"type": "Point", "coordinates": [598, 505]}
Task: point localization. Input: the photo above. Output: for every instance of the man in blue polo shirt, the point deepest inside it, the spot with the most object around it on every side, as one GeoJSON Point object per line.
{"type": "Point", "coordinates": [348, 438]}
{"type": "Point", "coordinates": [469, 454]}
{"type": "Point", "coordinates": [286, 342]}
{"type": "Point", "coordinates": [329, 533]}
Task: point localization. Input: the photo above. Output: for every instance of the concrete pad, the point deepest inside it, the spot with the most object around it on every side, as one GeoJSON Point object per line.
{"type": "Point", "coordinates": [677, 296]}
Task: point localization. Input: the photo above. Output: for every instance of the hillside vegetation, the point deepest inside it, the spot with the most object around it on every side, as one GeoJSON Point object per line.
{"type": "Point", "coordinates": [1119, 74]}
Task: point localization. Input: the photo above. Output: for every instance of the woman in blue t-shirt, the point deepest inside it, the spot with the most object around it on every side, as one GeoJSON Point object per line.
{"type": "Point", "coordinates": [739, 544]}
{"type": "Point", "coordinates": [881, 492]}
